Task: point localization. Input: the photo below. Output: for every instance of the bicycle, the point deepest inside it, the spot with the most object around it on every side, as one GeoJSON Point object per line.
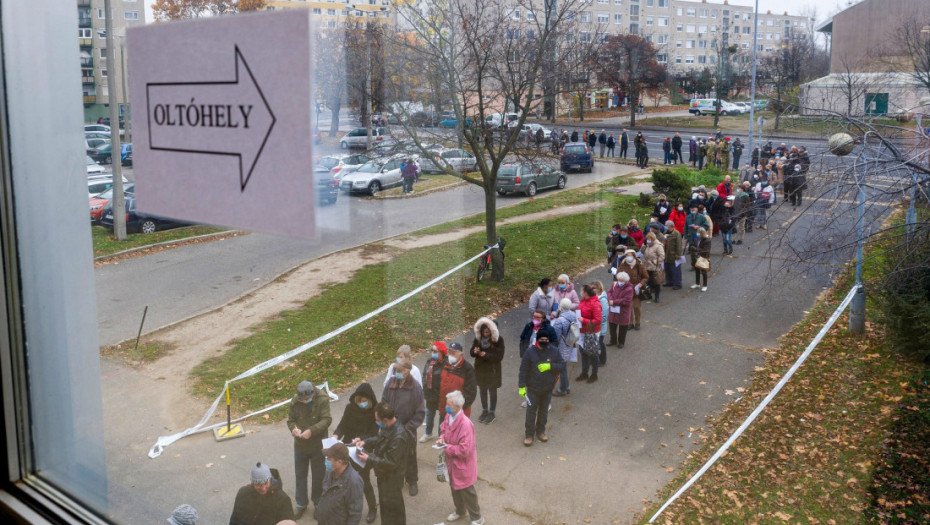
{"type": "Point", "coordinates": [484, 262]}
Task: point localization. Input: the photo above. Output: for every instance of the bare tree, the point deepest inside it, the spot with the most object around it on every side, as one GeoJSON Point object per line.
{"type": "Point", "coordinates": [909, 51]}
{"type": "Point", "coordinates": [852, 85]}
{"type": "Point", "coordinates": [626, 61]}
{"type": "Point", "coordinates": [163, 10]}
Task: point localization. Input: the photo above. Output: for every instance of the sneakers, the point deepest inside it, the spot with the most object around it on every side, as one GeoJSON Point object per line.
{"type": "Point", "coordinates": [454, 516]}
{"type": "Point", "coordinates": [490, 419]}
{"type": "Point", "coordinates": [426, 437]}
{"type": "Point", "coordinates": [703, 288]}
{"type": "Point", "coordinates": [582, 377]}
{"type": "Point", "coordinates": [483, 416]}
{"type": "Point", "coordinates": [693, 286]}
{"type": "Point", "coordinates": [479, 521]}
{"type": "Point", "coordinates": [528, 442]}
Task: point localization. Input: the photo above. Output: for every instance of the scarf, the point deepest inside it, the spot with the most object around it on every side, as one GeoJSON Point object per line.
{"type": "Point", "coordinates": [485, 343]}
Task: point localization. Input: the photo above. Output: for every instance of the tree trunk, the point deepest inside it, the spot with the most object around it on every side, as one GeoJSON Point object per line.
{"type": "Point", "coordinates": [581, 108]}
{"type": "Point", "coordinates": [490, 218]}
{"type": "Point", "coordinates": [632, 103]}
{"type": "Point", "coordinates": [334, 120]}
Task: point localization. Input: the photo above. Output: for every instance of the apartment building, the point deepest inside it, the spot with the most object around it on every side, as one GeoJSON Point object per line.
{"type": "Point", "coordinates": [333, 13]}
{"type": "Point", "coordinates": [95, 73]}
{"type": "Point", "coordinates": [687, 33]}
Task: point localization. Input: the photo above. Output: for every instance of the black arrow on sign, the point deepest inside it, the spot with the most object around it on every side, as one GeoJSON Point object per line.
{"type": "Point", "coordinates": [211, 118]}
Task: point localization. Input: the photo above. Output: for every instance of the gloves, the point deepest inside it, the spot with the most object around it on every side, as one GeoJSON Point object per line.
{"type": "Point", "coordinates": [543, 367]}
{"type": "Point", "coordinates": [522, 391]}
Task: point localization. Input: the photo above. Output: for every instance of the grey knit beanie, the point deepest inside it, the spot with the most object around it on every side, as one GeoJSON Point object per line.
{"type": "Point", "coordinates": [261, 474]}
{"type": "Point", "coordinates": [184, 515]}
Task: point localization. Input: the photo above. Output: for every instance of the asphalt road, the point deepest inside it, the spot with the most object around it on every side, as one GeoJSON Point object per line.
{"type": "Point", "coordinates": [185, 281]}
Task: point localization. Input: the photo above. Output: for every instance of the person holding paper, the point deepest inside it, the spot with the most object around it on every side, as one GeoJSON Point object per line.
{"type": "Point", "coordinates": [386, 454]}
{"type": "Point", "coordinates": [654, 261]}
{"type": "Point", "coordinates": [341, 502]}
{"type": "Point", "coordinates": [639, 277]}
{"type": "Point", "coordinates": [488, 351]}
{"type": "Point", "coordinates": [308, 420]}
{"type": "Point", "coordinates": [461, 448]}
{"type": "Point", "coordinates": [674, 249]}
{"type": "Point", "coordinates": [620, 302]}
{"type": "Point", "coordinates": [539, 368]}
{"type": "Point", "coordinates": [358, 421]}
{"type": "Point", "coordinates": [406, 396]}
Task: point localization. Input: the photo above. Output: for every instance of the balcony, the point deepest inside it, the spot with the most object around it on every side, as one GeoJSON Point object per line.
{"type": "Point", "coordinates": [86, 42]}
{"type": "Point", "coordinates": [84, 21]}
{"type": "Point", "coordinates": [87, 79]}
{"type": "Point", "coordinates": [83, 3]}
{"type": "Point", "coordinates": [87, 62]}
{"type": "Point", "coordinates": [90, 99]}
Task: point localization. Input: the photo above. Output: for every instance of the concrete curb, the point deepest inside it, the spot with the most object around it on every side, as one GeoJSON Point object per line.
{"type": "Point", "coordinates": [422, 193]}
{"type": "Point", "coordinates": [180, 242]}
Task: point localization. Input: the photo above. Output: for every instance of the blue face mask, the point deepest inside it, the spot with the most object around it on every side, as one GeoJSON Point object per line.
{"type": "Point", "coordinates": [562, 286]}
{"type": "Point", "coordinates": [364, 404]}
{"type": "Point", "coordinates": [693, 212]}
{"type": "Point", "coordinates": [549, 290]}
{"type": "Point", "coordinates": [435, 355]}
{"type": "Point", "coordinates": [329, 466]}
{"type": "Point", "coordinates": [623, 236]}
{"type": "Point", "coordinates": [449, 411]}
{"type": "Point", "coordinates": [309, 400]}
{"type": "Point", "coordinates": [380, 424]}
{"type": "Point", "coordinates": [398, 376]}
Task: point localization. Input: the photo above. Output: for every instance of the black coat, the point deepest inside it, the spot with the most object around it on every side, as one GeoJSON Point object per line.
{"type": "Point", "coordinates": [727, 219]}
{"type": "Point", "coordinates": [592, 139]}
{"type": "Point", "coordinates": [574, 136]}
{"type": "Point", "coordinates": [252, 508]}
{"type": "Point", "coordinates": [488, 367]}
{"type": "Point", "coordinates": [602, 138]}
{"type": "Point", "coordinates": [527, 334]}
{"type": "Point", "coordinates": [657, 211]}
{"type": "Point", "coordinates": [387, 452]}
{"type": "Point", "coordinates": [676, 143]}
{"type": "Point", "coordinates": [666, 146]}
{"type": "Point", "coordinates": [358, 422]}
{"type": "Point", "coordinates": [432, 376]}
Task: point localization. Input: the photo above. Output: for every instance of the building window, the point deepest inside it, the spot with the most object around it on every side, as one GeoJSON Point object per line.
{"type": "Point", "coordinates": [649, 21]}
{"type": "Point", "coordinates": [677, 59]}
{"type": "Point", "coordinates": [691, 28]}
{"type": "Point", "coordinates": [689, 44]}
{"type": "Point", "coordinates": [702, 44]}
{"type": "Point", "coordinates": [103, 53]}
{"type": "Point", "coordinates": [531, 15]}
{"type": "Point", "coordinates": [85, 32]}
{"type": "Point", "coordinates": [603, 18]}
{"type": "Point", "coordinates": [516, 15]}
{"type": "Point", "coordinates": [618, 2]}
{"type": "Point", "coordinates": [584, 36]}
{"type": "Point", "coordinates": [713, 13]}
{"type": "Point", "coordinates": [702, 59]}
{"type": "Point", "coordinates": [331, 12]}
{"type": "Point", "coordinates": [513, 34]}
{"type": "Point", "coordinates": [604, 2]}
{"type": "Point", "coordinates": [689, 59]}
{"type": "Point", "coordinates": [679, 11]}
{"type": "Point", "coordinates": [634, 10]}
{"type": "Point", "coordinates": [702, 29]}
{"type": "Point", "coordinates": [585, 17]}
{"type": "Point", "coordinates": [601, 38]}
{"type": "Point", "coordinates": [531, 35]}
{"type": "Point", "coordinates": [770, 22]}
{"type": "Point", "coordinates": [331, 24]}
{"type": "Point", "coordinates": [650, 3]}
{"type": "Point", "coordinates": [680, 28]}
{"type": "Point", "coordinates": [103, 72]}
{"type": "Point", "coordinates": [735, 16]}
{"type": "Point", "coordinates": [570, 16]}
{"type": "Point", "coordinates": [634, 29]}
{"type": "Point", "coordinates": [679, 43]}
{"type": "Point", "coordinates": [663, 3]}
{"type": "Point", "coordinates": [704, 13]}
{"type": "Point", "coordinates": [662, 39]}
{"type": "Point", "coordinates": [618, 18]}
{"type": "Point", "coordinates": [663, 21]}
{"type": "Point", "coordinates": [736, 30]}
{"type": "Point", "coordinates": [692, 11]}
{"type": "Point", "coordinates": [746, 30]}
{"type": "Point", "coordinates": [662, 58]}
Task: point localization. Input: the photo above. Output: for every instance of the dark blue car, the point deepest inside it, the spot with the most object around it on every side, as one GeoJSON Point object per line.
{"type": "Point", "coordinates": [139, 222]}
{"type": "Point", "coordinates": [576, 156]}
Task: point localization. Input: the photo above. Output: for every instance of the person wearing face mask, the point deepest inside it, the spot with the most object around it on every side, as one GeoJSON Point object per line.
{"type": "Point", "coordinates": [654, 260]}
{"type": "Point", "coordinates": [358, 421]}
{"type": "Point", "coordinates": [564, 289]}
{"type": "Point", "coordinates": [488, 351]}
{"type": "Point", "coordinates": [698, 198]}
{"type": "Point", "coordinates": [542, 297]}
{"type": "Point", "coordinates": [458, 435]}
{"type": "Point", "coordinates": [635, 233]}
{"type": "Point", "coordinates": [432, 375]}
{"type": "Point", "coordinates": [386, 455]}
{"type": "Point", "coordinates": [540, 366]}
{"type": "Point", "coordinates": [539, 323]}
{"type": "Point", "coordinates": [406, 396]}
{"type": "Point", "coordinates": [693, 223]}
{"type": "Point", "coordinates": [590, 318]}
{"type": "Point", "coordinates": [639, 279]}
{"type": "Point", "coordinates": [678, 217]}
{"type": "Point", "coordinates": [308, 421]}
{"type": "Point", "coordinates": [674, 248]}
{"type": "Point", "coordinates": [598, 288]}
{"type": "Point", "coordinates": [612, 241]}
{"type": "Point", "coordinates": [341, 502]}
{"type": "Point", "coordinates": [261, 502]}
{"type": "Point", "coordinates": [662, 210]}
{"type": "Point", "coordinates": [404, 355]}
{"type": "Point", "coordinates": [765, 197]}
{"type": "Point", "coordinates": [727, 222]}
{"type": "Point", "coordinates": [620, 306]}
{"type": "Point", "coordinates": [742, 209]}
{"type": "Point", "coordinates": [701, 248]}
{"type": "Point", "coordinates": [562, 324]}
{"type": "Point", "coordinates": [458, 374]}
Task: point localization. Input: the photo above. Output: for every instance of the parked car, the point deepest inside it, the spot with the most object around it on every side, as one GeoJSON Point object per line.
{"type": "Point", "coordinates": [97, 135]}
{"type": "Point", "coordinates": [93, 168]}
{"type": "Point", "coordinates": [404, 147]}
{"type": "Point", "coordinates": [396, 118]}
{"type": "Point", "coordinates": [103, 155]}
{"type": "Point", "coordinates": [528, 178]}
{"type": "Point", "coordinates": [499, 120]}
{"type": "Point", "coordinates": [139, 222]}
{"type": "Point", "coordinates": [106, 121]}
{"type": "Point", "coordinates": [374, 176]}
{"type": "Point", "coordinates": [450, 121]}
{"type": "Point", "coordinates": [577, 156]}
{"type": "Point", "coordinates": [358, 137]}
{"type": "Point", "coordinates": [99, 202]}
{"type": "Point", "coordinates": [92, 144]}
{"type": "Point", "coordinates": [327, 187]}
{"type": "Point", "coordinates": [127, 155]}
{"type": "Point", "coordinates": [99, 184]}
{"type": "Point", "coordinates": [424, 119]}
{"type": "Point", "coordinates": [338, 165]}
{"type": "Point", "coordinates": [97, 128]}
{"type": "Point", "coordinates": [529, 132]}
{"type": "Point", "coordinates": [708, 106]}
{"type": "Point", "coordinates": [458, 159]}
{"type": "Point", "coordinates": [744, 106]}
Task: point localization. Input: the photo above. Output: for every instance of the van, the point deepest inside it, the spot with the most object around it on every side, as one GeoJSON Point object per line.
{"type": "Point", "coordinates": [708, 106]}
{"type": "Point", "coordinates": [497, 120]}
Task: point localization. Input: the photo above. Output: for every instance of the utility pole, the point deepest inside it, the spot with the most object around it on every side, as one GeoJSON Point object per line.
{"type": "Point", "coordinates": [119, 203]}
{"type": "Point", "coordinates": [752, 96]}
{"type": "Point", "coordinates": [122, 74]}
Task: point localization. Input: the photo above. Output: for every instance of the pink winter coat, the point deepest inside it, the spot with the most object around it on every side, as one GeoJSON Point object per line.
{"type": "Point", "coordinates": [569, 293]}
{"type": "Point", "coordinates": [620, 296]}
{"type": "Point", "coordinates": [461, 451]}
{"type": "Point", "coordinates": [590, 309]}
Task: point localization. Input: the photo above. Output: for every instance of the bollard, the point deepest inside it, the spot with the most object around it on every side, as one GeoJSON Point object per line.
{"type": "Point", "coordinates": [857, 312]}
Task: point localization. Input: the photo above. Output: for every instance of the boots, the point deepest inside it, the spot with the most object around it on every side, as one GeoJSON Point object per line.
{"type": "Point", "coordinates": [612, 329]}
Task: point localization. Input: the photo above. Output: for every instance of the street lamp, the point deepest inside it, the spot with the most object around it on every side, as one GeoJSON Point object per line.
{"type": "Point", "coordinates": [752, 95]}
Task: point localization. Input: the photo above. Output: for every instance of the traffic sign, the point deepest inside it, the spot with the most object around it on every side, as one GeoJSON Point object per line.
{"type": "Point", "coordinates": [223, 121]}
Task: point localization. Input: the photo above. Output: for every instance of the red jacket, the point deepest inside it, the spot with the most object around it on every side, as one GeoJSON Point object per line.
{"type": "Point", "coordinates": [460, 377]}
{"type": "Point", "coordinates": [678, 217]}
{"type": "Point", "coordinates": [723, 191]}
{"type": "Point", "coordinates": [638, 237]}
{"type": "Point", "coordinates": [590, 309]}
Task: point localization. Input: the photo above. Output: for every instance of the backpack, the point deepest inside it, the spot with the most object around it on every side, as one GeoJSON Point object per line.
{"type": "Point", "coordinates": [573, 334]}
{"type": "Point", "coordinates": [765, 194]}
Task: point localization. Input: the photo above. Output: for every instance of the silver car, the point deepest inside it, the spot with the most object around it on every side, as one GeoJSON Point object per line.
{"type": "Point", "coordinates": [358, 137]}
{"type": "Point", "coordinates": [336, 166]}
{"type": "Point", "coordinates": [528, 178]}
{"type": "Point", "coordinates": [374, 176]}
{"type": "Point", "coordinates": [458, 159]}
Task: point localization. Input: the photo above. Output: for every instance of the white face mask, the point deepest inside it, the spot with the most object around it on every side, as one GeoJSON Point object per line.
{"type": "Point", "coordinates": [453, 360]}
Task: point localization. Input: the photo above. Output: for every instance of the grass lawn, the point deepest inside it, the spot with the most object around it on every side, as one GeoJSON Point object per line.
{"type": "Point", "coordinates": [443, 311]}
{"type": "Point", "coordinates": [105, 243]}
{"type": "Point", "coordinates": [426, 182]}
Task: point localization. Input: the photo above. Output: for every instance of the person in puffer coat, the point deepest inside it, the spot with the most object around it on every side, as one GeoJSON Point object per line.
{"type": "Point", "coordinates": [542, 298]}
{"type": "Point", "coordinates": [564, 289]}
{"type": "Point", "coordinates": [562, 325]}
{"type": "Point", "coordinates": [488, 351]}
{"type": "Point", "coordinates": [590, 310]}
{"type": "Point", "coordinates": [432, 376]}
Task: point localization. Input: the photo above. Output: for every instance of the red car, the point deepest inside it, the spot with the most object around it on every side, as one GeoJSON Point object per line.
{"type": "Point", "coordinates": [99, 202]}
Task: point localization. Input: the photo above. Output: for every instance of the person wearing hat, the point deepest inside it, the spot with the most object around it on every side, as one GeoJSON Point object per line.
{"type": "Point", "coordinates": [592, 140]}
{"type": "Point", "coordinates": [262, 501]}
{"type": "Point", "coordinates": [624, 143]}
{"type": "Point", "coordinates": [458, 374]}
{"type": "Point", "coordinates": [341, 502]}
{"type": "Point", "coordinates": [795, 183]}
{"type": "Point", "coordinates": [409, 175]}
{"type": "Point", "coordinates": [406, 396]}
{"type": "Point", "coordinates": [308, 420]}
{"type": "Point", "coordinates": [184, 515]}
{"type": "Point", "coordinates": [674, 248]}
{"type": "Point", "coordinates": [727, 223]}
{"type": "Point", "coordinates": [620, 302]}
{"type": "Point", "coordinates": [611, 144]}
{"type": "Point", "coordinates": [602, 140]}
{"type": "Point", "coordinates": [737, 149]}
{"type": "Point", "coordinates": [432, 376]}
{"type": "Point", "coordinates": [562, 325]}
{"type": "Point", "coordinates": [358, 420]}
{"type": "Point", "coordinates": [742, 209]}
{"type": "Point", "coordinates": [539, 367]}
{"type": "Point", "coordinates": [386, 454]}
{"type": "Point", "coordinates": [488, 351]}
{"type": "Point", "coordinates": [639, 279]}
{"type": "Point", "coordinates": [693, 151]}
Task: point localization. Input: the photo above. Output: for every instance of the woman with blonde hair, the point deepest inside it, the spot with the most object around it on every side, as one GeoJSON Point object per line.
{"type": "Point", "coordinates": [701, 249]}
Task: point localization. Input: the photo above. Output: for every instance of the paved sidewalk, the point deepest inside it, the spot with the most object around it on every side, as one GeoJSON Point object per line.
{"type": "Point", "coordinates": [612, 444]}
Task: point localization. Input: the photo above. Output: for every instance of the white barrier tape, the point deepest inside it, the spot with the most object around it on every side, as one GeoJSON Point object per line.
{"type": "Point", "coordinates": [755, 413]}
{"type": "Point", "coordinates": [164, 441]}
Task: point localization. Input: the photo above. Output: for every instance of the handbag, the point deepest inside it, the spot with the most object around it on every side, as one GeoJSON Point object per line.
{"type": "Point", "coordinates": [589, 345]}
{"type": "Point", "coordinates": [442, 471]}
{"type": "Point", "coordinates": [702, 264]}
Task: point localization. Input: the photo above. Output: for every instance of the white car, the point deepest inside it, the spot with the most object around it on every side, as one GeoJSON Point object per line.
{"type": "Point", "coordinates": [458, 159]}
{"type": "Point", "coordinates": [98, 184]}
{"type": "Point", "coordinates": [375, 175]}
{"type": "Point", "coordinates": [529, 132]}
{"type": "Point", "coordinates": [97, 128]}
{"type": "Point", "coordinates": [358, 137]}
{"type": "Point", "coordinates": [93, 168]}
{"type": "Point", "coordinates": [338, 165]}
